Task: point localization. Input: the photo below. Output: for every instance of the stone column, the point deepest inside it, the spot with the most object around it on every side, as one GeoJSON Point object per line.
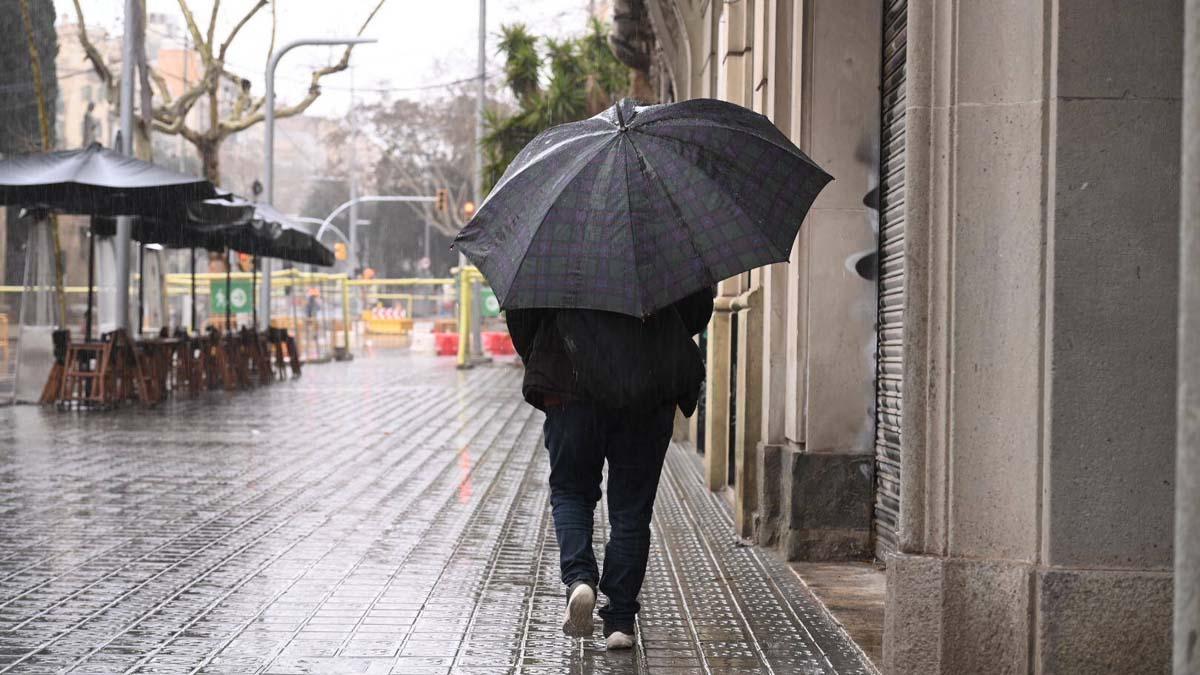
{"type": "Point", "coordinates": [776, 102]}
{"type": "Point", "coordinates": [826, 473]}
{"type": "Point", "coordinates": [748, 424]}
{"type": "Point", "coordinates": [754, 354]}
{"type": "Point", "coordinates": [733, 46]}
{"type": "Point", "coordinates": [1040, 338]}
{"type": "Point", "coordinates": [716, 395]}
{"type": "Point", "coordinates": [1187, 491]}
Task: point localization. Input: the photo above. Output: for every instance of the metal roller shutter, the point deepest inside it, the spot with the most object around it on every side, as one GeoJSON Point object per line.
{"type": "Point", "coordinates": [890, 363]}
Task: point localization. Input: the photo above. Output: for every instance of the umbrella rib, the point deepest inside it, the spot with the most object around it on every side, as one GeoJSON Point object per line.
{"type": "Point", "coordinates": [582, 161]}
{"type": "Point", "coordinates": [713, 124]}
{"type": "Point", "coordinates": [633, 238]}
{"type": "Point", "coordinates": [505, 179]}
{"type": "Point", "coordinates": [712, 180]}
{"type": "Point", "coordinates": [674, 209]}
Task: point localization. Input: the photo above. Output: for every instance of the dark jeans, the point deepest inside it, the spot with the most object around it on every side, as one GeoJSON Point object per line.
{"type": "Point", "coordinates": [580, 437]}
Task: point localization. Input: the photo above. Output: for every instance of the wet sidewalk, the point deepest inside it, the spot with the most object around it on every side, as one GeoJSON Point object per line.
{"type": "Point", "coordinates": [389, 515]}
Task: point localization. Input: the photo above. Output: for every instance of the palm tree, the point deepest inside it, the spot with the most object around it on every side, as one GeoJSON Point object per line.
{"type": "Point", "coordinates": [581, 75]}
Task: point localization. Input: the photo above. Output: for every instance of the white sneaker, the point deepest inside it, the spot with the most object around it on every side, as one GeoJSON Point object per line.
{"type": "Point", "coordinates": [619, 640]}
{"type": "Point", "coordinates": [580, 605]}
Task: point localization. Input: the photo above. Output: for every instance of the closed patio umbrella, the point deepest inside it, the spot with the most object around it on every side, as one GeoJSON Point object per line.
{"type": "Point", "coordinates": [181, 226]}
{"type": "Point", "coordinates": [97, 181]}
{"type": "Point", "coordinates": [271, 234]}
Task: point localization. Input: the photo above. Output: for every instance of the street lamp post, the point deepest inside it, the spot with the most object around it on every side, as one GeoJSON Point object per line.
{"type": "Point", "coordinates": [328, 222]}
{"type": "Point", "coordinates": [269, 146]}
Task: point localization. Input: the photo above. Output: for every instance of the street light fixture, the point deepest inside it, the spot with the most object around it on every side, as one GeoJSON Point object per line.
{"type": "Point", "coordinates": [328, 222]}
{"type": "Point", "coordinates": [269, 147]}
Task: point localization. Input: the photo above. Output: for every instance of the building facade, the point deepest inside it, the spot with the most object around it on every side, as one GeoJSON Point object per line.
{"type": "Point", "coordinates": [967, 371]}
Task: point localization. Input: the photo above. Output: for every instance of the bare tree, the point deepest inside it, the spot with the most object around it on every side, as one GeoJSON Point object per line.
{"type": "Point", "coordinates": [169, 115]}
{"type": "Point", "coordinates": [427, 145]}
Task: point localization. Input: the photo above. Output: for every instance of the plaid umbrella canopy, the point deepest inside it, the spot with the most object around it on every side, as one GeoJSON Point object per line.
{"type": "Point", "coordinates": [640, 206]}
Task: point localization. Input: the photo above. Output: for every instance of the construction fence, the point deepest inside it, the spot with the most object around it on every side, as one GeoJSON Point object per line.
{"type": "Point", "coordinates": [329, 314]}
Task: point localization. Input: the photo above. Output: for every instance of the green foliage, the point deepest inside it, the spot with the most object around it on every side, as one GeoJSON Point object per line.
{"type": "Point", "coordinates": [598, 61]}
{"type": "Point", "coordinates": [522, 63]}
{"type": "Point", "coordinates": [554, 82]}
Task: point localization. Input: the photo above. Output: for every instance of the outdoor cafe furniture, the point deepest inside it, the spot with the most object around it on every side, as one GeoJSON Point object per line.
{"type": "Point", "coordinates": [175, 210]}
{"type": "Point", "coordinates": [107, 373]}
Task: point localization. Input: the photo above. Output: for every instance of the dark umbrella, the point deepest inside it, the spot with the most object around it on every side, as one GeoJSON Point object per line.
{"type": "Point", "coordinates": [181, 226]}
{"type": "Point", "coordinates": [187, 225]}
{"type": "Point", "coordinates": [271, 234]}
{"type": "Point", "coordinates": [640, 206]}
{"type": "Point", "coordinates": [97, 181]}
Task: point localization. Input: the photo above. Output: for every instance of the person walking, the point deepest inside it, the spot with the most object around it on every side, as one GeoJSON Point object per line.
{"type": "Point", "coordinates": [602, 242]}
{"type": "Point", "coordinates": [609, 384]}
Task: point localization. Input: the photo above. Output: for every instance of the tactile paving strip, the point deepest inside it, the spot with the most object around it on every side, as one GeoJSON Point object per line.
{"type": "Point", "coordinates": [384, 516]}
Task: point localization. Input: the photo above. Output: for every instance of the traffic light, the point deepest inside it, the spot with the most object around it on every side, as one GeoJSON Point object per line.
{"type": "Point", "coordinates": [468, 209]}
{"type": "Point", "coordinates": [443, 200]}
{"type": "Point", "coordinates": [339, 251]}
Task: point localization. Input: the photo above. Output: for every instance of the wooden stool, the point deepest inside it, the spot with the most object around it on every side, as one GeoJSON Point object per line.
{"type": "Point", "coordinates": [186, 373]}
{"type": "Point", "coordinates": [86, 377]}
{"type": "Point", "coordinates": [262, 355]}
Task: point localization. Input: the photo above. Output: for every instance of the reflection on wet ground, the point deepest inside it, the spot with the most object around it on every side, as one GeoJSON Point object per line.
{"type": "Point", "coordinates": [384, 516]}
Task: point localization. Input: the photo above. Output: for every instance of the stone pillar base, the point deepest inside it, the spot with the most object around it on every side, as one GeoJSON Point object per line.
{"type": "Point", "coordinates": [767, 518]}
{"type": "Point", "coordinates": [956, 615]}
{"type": "Point", "coordinates": [825, 509]}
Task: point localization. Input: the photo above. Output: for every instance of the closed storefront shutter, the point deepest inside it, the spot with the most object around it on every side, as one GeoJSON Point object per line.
{"type": "Point", "coordinates": [890, 364]}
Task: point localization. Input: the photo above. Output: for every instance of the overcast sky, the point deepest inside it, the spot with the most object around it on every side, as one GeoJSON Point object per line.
{"type": "Point", "coordinates": [420, 42]}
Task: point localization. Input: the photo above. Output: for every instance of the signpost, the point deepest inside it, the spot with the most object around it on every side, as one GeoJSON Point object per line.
{"type": "Point", "coordinates": [240, 292]}
{"type": "Point", "coordinates": [488, 302]}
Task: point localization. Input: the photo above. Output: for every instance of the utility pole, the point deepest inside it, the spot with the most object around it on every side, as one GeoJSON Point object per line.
{"type": "Point", "coordinates": [476, 346]}
{"type": "Point", "coordinates": [1187, 467]}
{"type": "Point", "coordinates": [125, 223]}
{"type": "Point", "coordinates": [479, 103]}
{"type": "Point", "coordinates": [353, 257]}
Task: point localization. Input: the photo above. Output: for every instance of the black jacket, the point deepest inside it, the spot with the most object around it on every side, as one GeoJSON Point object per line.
{"type": "Point", "coordinates": [612, 359]}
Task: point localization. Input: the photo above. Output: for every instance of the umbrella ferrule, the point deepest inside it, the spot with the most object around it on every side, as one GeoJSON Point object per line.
{"type": "Point", "coordinates": [620, 117]}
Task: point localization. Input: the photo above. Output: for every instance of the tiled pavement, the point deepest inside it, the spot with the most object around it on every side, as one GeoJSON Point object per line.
{"type": "Point", "coordinates": [387, 515]}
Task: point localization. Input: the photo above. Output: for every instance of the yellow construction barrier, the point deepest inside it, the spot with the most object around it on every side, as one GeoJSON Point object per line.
{"type": "Point", "coordinates": [467, 276]}
{"type": "Point", "coordinates": [386, 326]}
{"type": "Point", "coordinates": [3, 343]}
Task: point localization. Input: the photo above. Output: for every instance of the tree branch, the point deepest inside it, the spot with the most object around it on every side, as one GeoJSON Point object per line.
{"type": "Point", "coordinates": [232, 126]}
{"type": "Point", "coordinates": [93, 55]}
{"type": "Point", "coordinates": [212, 23]}
{"type": "Point", "coordinates": [162, 84]}
{"type": "Point", "coordinates": [190, 20]}
{"type": "Point", "coordinates": [182, 105]}
{"type": "Point", "coordinates": [271, 47]}
{"type": "Point", "coordinates": [243, 95]}
{"type": "Point", "coordinates": [233, 33]}
{"type": "Point", "coordinates": [437, 219]}
{"type": "Point", "coordinates": [169, 126]}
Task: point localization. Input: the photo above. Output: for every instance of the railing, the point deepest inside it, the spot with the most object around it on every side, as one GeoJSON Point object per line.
{"type": "Point", "coordinates": [327, 313]}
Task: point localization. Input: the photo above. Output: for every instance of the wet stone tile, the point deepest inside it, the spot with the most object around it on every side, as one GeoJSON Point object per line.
{"type": "Point", "coordinates": [387, 515]}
